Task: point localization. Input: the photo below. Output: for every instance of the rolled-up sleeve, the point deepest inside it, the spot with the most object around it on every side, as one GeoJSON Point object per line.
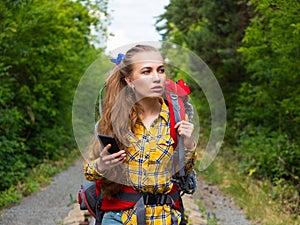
{"type": "Point", "coordinates": [190, 159]}
{"type": "Point", "coordinates": [90, 171]}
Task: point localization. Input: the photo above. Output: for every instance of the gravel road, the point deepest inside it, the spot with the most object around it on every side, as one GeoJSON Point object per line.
{"type": "Point", "coordinates": [53, 204]}
{"type": "Point", "coordinates": [49, 206]}
{"type": "Point", "coordinates": [219, 207]}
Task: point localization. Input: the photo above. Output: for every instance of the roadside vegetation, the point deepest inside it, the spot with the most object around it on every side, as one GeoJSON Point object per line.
{"type": "Point", "coordinates": [45, 46]}
{"type": "Point", "coordinates": [253, 49]}
{"type": "Point", "coordinates": [260, 200]}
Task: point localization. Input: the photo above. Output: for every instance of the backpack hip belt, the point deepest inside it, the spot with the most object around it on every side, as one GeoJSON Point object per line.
{"type": "Point", "coordinates": [129, 197]}
{"type": "Point", "coordinates": [155, 199]}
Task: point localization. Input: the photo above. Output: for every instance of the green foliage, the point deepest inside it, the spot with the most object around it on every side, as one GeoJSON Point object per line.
{"type": "Point", "coordinates": [253, 48]}
{"type": "Point", "coordinates": [269, 155]}
{"type": "Point", "coordinates": [46, 46]}
{"type": "Point", "coordinates": [271, 98]}
{"type": "Point", "coordinates": [9, 196]}
{"type": "Point", "coordinates": [267, 116]}
{"type": "Point", "coordinates": [213, 30]}
{"type": "Point", "coordinates": [271, 52]}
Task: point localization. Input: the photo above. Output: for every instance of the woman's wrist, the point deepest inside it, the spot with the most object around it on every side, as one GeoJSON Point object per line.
{"type": "Point", "coordinates": [190, 146]}
{"type": "Point", "coordinates": [98, 168]}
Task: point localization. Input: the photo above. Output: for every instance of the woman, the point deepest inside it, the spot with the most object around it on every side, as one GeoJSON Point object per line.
{"type": "Point", "coordinates": [135, 113]}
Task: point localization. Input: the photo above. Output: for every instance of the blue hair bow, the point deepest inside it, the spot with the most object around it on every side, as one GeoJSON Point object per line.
{"type": "Point", "coordinates": [118, 60]}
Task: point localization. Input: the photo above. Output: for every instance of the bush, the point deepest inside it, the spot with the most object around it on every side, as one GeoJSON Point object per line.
{"type": "Point", "coordinates": [269, 155]}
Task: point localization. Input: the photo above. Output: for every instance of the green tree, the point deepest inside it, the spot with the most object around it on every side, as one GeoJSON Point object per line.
{"type": "Point", "coordinates": [213, 30]}
{"type": "Point", "coordinates": [268, 112]}
{"type": "Point", "coordinates": [253, 48]}
{"type": "Point", "coordinates": [271, 51]}
{"type": "Point", "coordinates": [46, 46]}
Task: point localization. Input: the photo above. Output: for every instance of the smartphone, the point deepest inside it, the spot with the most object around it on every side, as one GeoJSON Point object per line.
{"type": "Point", "coordinates": [105, 140]}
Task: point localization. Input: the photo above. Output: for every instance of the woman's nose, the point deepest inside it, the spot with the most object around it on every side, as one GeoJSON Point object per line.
{"type": "Point", "coordinates": [155, 76]}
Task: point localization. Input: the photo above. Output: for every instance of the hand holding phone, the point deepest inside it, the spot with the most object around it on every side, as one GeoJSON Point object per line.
{"type": "Point", "coordinates": [105, 140]}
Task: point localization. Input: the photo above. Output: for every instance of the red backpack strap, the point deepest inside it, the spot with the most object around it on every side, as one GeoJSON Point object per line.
{"type": "Point", "coordinates": [173, 131]}
{"type": "Point", "coordinates": [98, 186]}
{"type": "Point", "coordinates": [176, 93]}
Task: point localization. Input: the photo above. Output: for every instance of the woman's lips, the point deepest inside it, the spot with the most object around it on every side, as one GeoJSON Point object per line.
{"type": "Point", "coordinates": [157, 88]}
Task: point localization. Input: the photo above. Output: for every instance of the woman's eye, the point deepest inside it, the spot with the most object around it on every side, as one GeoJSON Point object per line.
{"type": "Point", "coordinates": [146, 72]}
{"type": "Point", "coordinates": [162, 70]}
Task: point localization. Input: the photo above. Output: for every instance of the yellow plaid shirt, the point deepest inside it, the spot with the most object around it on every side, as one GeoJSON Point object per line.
{"type": "Point", "coordinates": [150, 152]}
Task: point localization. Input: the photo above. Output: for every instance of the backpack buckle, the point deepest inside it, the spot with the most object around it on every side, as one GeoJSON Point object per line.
{"type": "Point", "coordinates": [173, 96]}
{"type": "Point", "coordinates": [155, 199]}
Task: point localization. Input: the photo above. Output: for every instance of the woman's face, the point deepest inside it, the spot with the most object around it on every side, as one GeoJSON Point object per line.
{"type": "Point", "coordinates": [148, 77]}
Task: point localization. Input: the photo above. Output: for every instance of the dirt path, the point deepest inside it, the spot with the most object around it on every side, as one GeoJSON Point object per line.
{"type": "Point", "coordinates": [49, 206]}
{"type": "Point", "coordinates": [55, 205]}
{"type": "Point", "coordinates": [219, 208]}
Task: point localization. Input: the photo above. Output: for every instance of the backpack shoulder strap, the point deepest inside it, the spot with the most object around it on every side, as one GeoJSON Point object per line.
{"type": "Point", "coordinates": [177, 95]}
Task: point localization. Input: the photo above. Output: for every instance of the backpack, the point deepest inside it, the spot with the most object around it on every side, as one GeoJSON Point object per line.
{"type": "Point", "coordinates": [176, 96]}
{"type": "Point", "coordinates": [89, 200]}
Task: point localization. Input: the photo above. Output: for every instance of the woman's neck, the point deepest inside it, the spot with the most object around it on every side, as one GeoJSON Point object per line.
{"type": "Point", "coordinates": [150, 105]}
{"type": "Point", "coordinates": [151, 110]}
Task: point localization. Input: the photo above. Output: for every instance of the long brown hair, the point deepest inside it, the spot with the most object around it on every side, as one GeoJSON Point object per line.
{"type": "Point", "coordinates": [119, 113]}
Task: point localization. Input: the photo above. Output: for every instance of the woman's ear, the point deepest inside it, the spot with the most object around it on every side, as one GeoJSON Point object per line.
{"type": "Point", "coordinates": [128, 81]}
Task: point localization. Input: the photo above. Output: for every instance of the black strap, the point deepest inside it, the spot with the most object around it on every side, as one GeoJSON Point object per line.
{"type": "Point", "coordinates": [149, 199]}
{"type": "Point", "coordinates": [158, 199]}
{"type": "Point", "coordinates": [141, 212]}
{"type": "Point", "coordinates": [99, 213]}
{"type": "Point", "coordinates": [143, 199]}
